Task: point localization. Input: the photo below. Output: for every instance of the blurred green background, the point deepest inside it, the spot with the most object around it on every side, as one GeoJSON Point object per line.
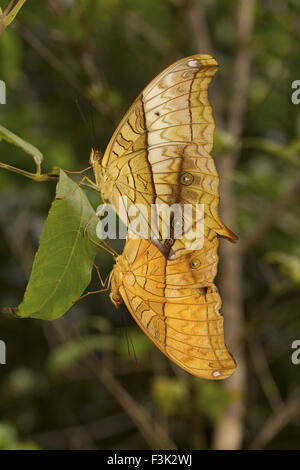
{"type": "Point", "coordinates": [69, 384]}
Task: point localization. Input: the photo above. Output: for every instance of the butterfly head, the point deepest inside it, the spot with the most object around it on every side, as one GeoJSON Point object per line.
{"type": "Point", "coordinates": [121, 270]}
{"type": "Point", "coordinates": [105, 177]}
{"type": "Point", "coordinates": [115, 295]}
{"type": "Point", "coordinates": [95, 157]}
{"type": "Point", "coordinates": [116, 298]}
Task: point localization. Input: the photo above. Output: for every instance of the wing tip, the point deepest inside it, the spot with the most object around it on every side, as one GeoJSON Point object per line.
{"type": "Point", "coordinates": [206, 59]}
{"type": "Point", "coordinates": [225, 232]}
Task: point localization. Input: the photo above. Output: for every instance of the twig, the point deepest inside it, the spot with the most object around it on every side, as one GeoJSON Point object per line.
{"type": "Point", "coordinates": [270, 217]}
{"type": "Point", "coordinates": [11, 138]}
{"type": "Point", "coordinates": [57, 65]}
{"type": "Point", "coordinates": [137, 26]}
{"type": "Point", "coordinates": [10, 13]}
{"type": "Point", "coordinates": [152, 431]}
{"type": "Point", "coordinates": [197, 21]}
{"type": "Point", "coordinates": [241, 66]}
{"type": "Point", "coordinates": [196, 18]}
{"type": "Point", "coordinates": [277, 421]}
{"type": "Point", "coordinates": [39, 178]}
{"type": "Point", "coordinates": [34, 176]}
{"type": "Point", "coordinates": [83, 434]}
{"type": "Point", "coordinates": [264, 374]}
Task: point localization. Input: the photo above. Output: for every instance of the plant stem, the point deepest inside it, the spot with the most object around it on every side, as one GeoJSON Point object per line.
{"type": "Point", "coordinates": [39, 177]}
{"type": "Point", "coordinates": [34, 176]}
{"type": "Point", "coordinates": [9, 14]}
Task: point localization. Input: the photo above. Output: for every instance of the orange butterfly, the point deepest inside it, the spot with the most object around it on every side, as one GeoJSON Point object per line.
{"type": "Point", "coordinates": [176, 304]}
{"type": "Point", "coordinates": [159, 154]}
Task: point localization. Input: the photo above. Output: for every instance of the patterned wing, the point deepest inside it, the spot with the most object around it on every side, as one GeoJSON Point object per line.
{"type": "Point", "coordinates": [177, 307]}
{"type": "Point", "coordinates": [159, 154]}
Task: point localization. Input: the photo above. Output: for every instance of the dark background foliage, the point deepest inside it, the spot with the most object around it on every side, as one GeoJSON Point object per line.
{"type": "Point", "coordinates": [69, 384]}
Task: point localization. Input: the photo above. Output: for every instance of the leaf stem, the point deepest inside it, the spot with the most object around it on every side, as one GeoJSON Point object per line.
{"type": "Point", "coordinates": [39, 177]}
{"type": "Point", "coordinates": [34, 176]}
{"type": "Point", "coordinates": [10, 13]}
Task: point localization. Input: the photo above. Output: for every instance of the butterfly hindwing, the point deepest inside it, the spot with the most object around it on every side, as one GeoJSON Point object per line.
{"type": "Point", "coordinates": [176, 304]}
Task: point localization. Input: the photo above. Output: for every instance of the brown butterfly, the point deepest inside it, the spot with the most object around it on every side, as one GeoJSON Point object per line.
{"type": "Point", "coordinates": [176, 304]}
{"type": "Point", "coordinates": [160, 155]}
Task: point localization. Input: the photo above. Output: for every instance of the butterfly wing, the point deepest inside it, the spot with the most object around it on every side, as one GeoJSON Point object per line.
{"type": "Point", "coordinates": [159, 154]}
{"type": "Point", "coordinates": [177, 308]}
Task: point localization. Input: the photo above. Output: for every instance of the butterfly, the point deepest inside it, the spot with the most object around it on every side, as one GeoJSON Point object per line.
{"type": "Point", "coordinates": [176, 304]}
{"type": "Point", "coordinates": [159, 155]}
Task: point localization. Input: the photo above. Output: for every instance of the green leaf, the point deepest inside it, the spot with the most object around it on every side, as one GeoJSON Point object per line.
{"type": "Point", "coordinates": [63, 264]}
{"type": "Point", "coordinates": [12, 138]}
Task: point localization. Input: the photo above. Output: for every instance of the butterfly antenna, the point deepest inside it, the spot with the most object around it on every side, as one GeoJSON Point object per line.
{"type": "Point", "coordinates": [126, 334]}
{"type": "Point", "coordinates": [129, 340]}
{"type": "Point", "coordinates": [92, 122]}
{"type": "Point", "coordinates": [85, 121]}
{"type": "Point", "coordinates": [135, 358]}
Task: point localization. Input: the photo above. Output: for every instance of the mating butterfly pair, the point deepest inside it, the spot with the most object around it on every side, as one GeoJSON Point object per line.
{"type": "Point", "coordinates": [160, 154]}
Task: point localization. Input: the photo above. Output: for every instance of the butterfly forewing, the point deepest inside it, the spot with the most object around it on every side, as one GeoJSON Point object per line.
{"type": "Point", "coordinates": [159, 154]}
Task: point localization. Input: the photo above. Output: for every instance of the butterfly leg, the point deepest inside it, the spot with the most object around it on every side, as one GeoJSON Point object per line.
{"type": "Point", "coordinates": [77, 172]}
{"type": "Point", "coordinates": [97, 214]}
{"type": "Point", "coordinates": [102, 243]}
{"type": "Point", "coordinates": [105, 246]}
{"type": "Point", "coordinates": [105, 285]}
{"type": "Point", "coordinates": [85, 178]}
